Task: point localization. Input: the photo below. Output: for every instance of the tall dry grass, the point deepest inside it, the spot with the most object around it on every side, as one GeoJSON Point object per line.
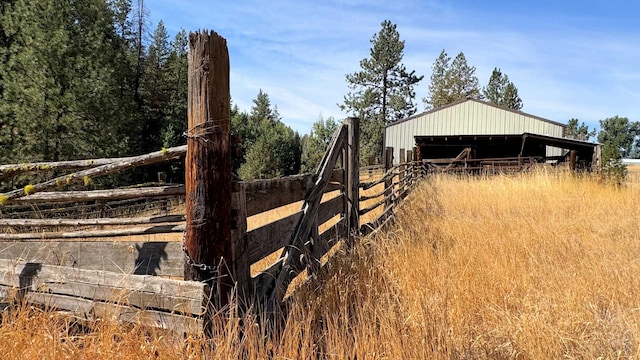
{"type": "Point", "coordinates": [537, 266]}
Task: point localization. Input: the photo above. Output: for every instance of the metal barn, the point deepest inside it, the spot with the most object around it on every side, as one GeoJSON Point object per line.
{"type": "Point", "coordinates": [471, 130]}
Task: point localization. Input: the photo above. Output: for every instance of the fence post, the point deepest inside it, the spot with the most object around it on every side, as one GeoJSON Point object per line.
{"type": "Point", "coordinates": [241, 267]}
{"type": "Point", "coordinates": [353, 176]}
{"type": "Point", "coordinates": [388, 182]}
{"type": "Point", "coordinates": [208, 244]}
{"type": "Point", "coordinates": [409, 168]}
{"type": "Point", "coordinates": [403, 166]}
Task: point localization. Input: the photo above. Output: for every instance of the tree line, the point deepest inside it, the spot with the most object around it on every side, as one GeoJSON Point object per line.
{"type": "Point", "coordinates": [383, 92]}
{"type": "Point", "coordinates": [88, 79]}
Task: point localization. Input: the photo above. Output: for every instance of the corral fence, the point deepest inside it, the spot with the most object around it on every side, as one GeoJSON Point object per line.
{"type": "Point", "coordinates": [119, 264]}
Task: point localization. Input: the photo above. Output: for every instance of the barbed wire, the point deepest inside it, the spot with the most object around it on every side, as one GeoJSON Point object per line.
{"type": "Point", "coordinates": [200, 131]}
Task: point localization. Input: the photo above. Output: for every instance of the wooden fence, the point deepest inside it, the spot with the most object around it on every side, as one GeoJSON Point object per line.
{"type": "Point", "coordinates": [103, 266]}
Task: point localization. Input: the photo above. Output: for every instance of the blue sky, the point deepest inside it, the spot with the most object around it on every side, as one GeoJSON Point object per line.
{"type": "Point", "coordinates": [567, 58]}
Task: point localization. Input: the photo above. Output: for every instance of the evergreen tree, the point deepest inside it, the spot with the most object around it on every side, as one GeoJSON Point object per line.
{"type": "Point", "coordinates": [59, 90]}
{"type": "Point", "coordinates": [175, 117]}
{"type": "Point", "coordinates": [580, 132]}
{"type": "Point", "coordinates": [461, 79]}
{"type": "Point", "coordinates": [382, 92]}
{"type": "Point", "coordinates": [439, 93]}
{"type": "Point", "coordinates": [269, 147]}
{"type": "Point", "coordinates": [314, 145]}
{"type": "Point", "coordinates": [618, 137]}
{"type": "Point", "coordinates": [155, 90]}
{"type": "Point", "coordinates": [451, 81]}
{"type": "Point", "coordinates": [501, 91]}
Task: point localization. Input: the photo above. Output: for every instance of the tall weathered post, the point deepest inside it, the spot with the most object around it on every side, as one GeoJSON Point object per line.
{"type": "Point", "coordinates": [207, 243]}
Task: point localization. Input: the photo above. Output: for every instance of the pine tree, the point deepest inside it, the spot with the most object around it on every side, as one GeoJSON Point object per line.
{"type": "Point", "coordinates": [501, 91]}
{"type": "Point", "coordinates": [439, 93]}
{"type": "Point", "coordinates": [618, 137]}
{"type": "Point", "coordinates": [175, 117]}
{"type": "Point", "coordinates": [314, 145]}
{"type": "Point", "coordinates": [461, 79]}
{"type": "Point", "coordinates": [269, 147]}
{"type": "Point", "coordinates": [580, 132]}
{"type": "Point", "coordinates": [451, 81]}
{"type": "Point", "coordinates": [382, 92]}
{"type": "Point", "coordinates": [511, 98]}
{"type": "Point", "coordinates": [58, 85]}
{"type": "Point", "coordinates": [155, 90]}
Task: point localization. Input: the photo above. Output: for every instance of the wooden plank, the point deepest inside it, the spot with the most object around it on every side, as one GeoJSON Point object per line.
{"type": "Point", "coordinates": [116, 312]}
{"type": "Point", "coordinates": [15, 169]}
{"type": "Point", "coordinates": [160, 258]}
{"type": "Point", "coordinates": [156, 229]}
{"type": "Point", "coordinates": [141, 291]}
{"type": "Point", "coordinates": [81, 177]}
{"type": "Point", "coordinates": [93, 222]}
{"type": "Point", "coordinates": [163, 320]}
{"type": "Point", "coordinates": [99, 195]}
{"type": "Point", "coordinates": [276, 235]}
{"type": "Point", "coordinates": [264, 195]}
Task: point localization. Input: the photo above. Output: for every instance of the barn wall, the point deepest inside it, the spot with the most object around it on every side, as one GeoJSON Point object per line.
{"type": "Point", "coordinates": [469, 117]}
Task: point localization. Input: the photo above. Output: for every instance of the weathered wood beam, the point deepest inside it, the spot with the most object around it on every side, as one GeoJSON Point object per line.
{"type": "Point", "coordinates": [263, 195]}
{"type": "Point", "coordinates": [99, 195]}
{"type": "Point", "coordinates": [7, 170]}
{"type": "Point", "coordinates": [93, 222]}
{"type": "Point", "coordinates": [140, 291]}
{"type": "Point", "coordinates": [156, 229]}
{"type": "Point", "coordinates": [208, 240]}
{"type": "Point", "coordinates": [82, 177]}
{"type": "Point", "coordinates": [160, 258]}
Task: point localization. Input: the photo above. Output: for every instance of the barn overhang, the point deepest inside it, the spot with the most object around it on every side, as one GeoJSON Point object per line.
{"type": "Point", "coordinates": [504, 146]}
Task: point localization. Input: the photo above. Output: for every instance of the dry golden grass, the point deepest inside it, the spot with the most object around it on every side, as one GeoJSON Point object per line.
{"type": "Point", "coordinates": [537, 266]}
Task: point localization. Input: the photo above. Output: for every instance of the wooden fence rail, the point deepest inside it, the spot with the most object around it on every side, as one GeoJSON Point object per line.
{"type": "Point", "coordinates": [166, 258]}
{"type": "Point", "coordinates": [220, 258]}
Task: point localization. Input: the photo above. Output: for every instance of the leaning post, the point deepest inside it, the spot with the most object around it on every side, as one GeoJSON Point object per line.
{"type": "Point", "coordinates": [353, 176]}
{"type": "Point", "coordinates": [208, 244]}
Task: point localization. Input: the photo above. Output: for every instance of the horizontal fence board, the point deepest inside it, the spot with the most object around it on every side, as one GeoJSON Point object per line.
{"type": "Point", "coordinates": [328, 239]}
{"type": "Point", "coordinates": [94, 222]}
{"type": "Point", "coordinates": [160, 258]}
{"type": "Point", "coordinates": [89, 309]}
{"type": "Point", "coordinates": [273, 236]}
{"type": "Point", "coordinates": [51, 197]}
{"type": "Point", "coordinates": [264, 195]}
{"type": "Point", "coordinates": [163, 320]}
{"type": "Point", "coordinates": [156, 229]}
{"type": "Point", "coordinates": [140, 291]}
{"type": "Point", "coordinates": [13, 169]}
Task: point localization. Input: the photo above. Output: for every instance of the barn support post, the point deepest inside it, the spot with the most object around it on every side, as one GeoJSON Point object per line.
{"type": "Point", "coordinates": [353, 176]}
{"type": "Point", "coordinates": [207, 243]}
{"type": "Point", "coordinates": [573, 155]}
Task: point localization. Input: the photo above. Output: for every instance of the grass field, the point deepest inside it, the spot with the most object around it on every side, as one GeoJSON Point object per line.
{"type": "Point", "coordinates": [535, 266]}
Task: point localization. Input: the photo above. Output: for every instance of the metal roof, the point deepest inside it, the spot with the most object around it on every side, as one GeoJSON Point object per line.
{"type": "Point", "coordinates": [477, 101]}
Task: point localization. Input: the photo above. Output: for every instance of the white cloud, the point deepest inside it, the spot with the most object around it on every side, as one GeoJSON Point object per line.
{"type": "Point", "coordinates": [564, 64]}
